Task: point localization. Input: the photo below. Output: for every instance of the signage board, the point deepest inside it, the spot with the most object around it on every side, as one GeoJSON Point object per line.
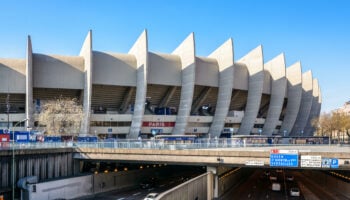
{"type": "Point", "coordinates": [326, 162]}
{"type": "Point", "coordinates": [254, 163]}
{"type": "Point", "coordinates": [335, 163]}
{"type": "Point", "coordinates": [284, 158]}
{"type": "Point", "coordinates": [310, 161]}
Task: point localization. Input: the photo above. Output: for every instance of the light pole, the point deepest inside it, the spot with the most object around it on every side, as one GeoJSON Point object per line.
{"type": "Point", "coordinates": [13, 157]}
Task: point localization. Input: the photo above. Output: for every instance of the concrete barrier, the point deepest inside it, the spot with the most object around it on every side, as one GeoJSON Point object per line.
{"type": "Point", "coordinates": [200, 187]}
{"type": "Point", "coordinates": [88, 185]}
{"type": "Point", "coordinates": [329, 182]}
{"type": "Point", "coordinates": [60, 189]}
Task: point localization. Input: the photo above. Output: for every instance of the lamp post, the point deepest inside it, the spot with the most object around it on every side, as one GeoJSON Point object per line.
{"type": "Point", "coordinates": [13, 157]}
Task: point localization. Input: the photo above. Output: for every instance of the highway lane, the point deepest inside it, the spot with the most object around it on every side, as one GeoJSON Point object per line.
{"type": "Point", "coordinates": [259, 186]}
{"type": "Point", "coordinates": [164, 183]}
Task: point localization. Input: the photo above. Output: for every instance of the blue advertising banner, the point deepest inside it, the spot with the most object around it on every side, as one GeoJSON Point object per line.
{"type": "Point", "coordinates": [284, 160]}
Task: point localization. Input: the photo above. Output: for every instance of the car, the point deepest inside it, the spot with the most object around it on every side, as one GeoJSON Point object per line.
{"type": "Point", "coordinates": [294, 192]}
{"type": "Point", "coordinates": [276, 186]}
{"type": "Point", "coordinates": [148, 183]}
{"type": "Point", "coordinates": [290, 178]}
{"type": "Point", "coordinates": [151, 196]}
{"type": "Point", "coordinates": [279, 170]}
{"type": "Point", "coordinates": [267, 173]}
{"type": "Point", "coordinates": [273, 177]}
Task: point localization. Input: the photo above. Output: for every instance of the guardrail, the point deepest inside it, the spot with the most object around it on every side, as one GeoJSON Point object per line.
{"type": "Point", "coordinates": [149, 144]}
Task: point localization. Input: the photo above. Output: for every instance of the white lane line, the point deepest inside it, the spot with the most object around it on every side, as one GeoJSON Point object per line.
{"type": "Point", "coordinates": [120, 198]}
{"type": "Point", "coordinates": [136, 194]}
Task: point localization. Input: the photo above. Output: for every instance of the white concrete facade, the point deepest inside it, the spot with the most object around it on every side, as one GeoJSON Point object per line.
{"type": "Point", "coordinates": [180, 80]}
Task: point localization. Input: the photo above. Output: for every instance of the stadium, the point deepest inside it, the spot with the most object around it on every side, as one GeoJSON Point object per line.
{"type": "Point", "coordinates": [143, 94]}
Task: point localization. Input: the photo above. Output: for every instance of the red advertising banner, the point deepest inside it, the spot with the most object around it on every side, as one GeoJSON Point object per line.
{"type": "Point", "coordinates": [158, 124]}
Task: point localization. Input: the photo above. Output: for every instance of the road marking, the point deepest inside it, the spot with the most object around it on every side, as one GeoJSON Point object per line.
{"type": "Point", "coordinates": [162, 185]}
{"type": "Point", "coordinates": [136, 194]}
{"type": "Point", "coordinates": [120, 198]}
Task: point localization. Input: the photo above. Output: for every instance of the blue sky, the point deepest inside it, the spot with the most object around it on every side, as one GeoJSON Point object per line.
{"type": "Point", "coordinates": [315, 32]}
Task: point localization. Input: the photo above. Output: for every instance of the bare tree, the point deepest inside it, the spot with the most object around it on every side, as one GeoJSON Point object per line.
{"type": "Point", "coordinates": [61, 116]}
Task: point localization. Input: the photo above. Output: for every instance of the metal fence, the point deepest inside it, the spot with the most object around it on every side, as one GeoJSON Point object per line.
{"type": "Point", "coordinates": [150, 144]}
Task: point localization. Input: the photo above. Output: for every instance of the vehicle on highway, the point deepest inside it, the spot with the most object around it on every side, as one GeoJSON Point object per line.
{"type": "Point", "coordinates": [151, 196]}
{"type": "Point", "coordinates": [290, 178]}
{"type": "Point", "coordinates": [279, 170]}
{"type": "Point", "coordinates": [276, 186]}
{"type": "Point", "coordinates": [273, 177]}
{"type": "Point", "coordinates": [294, 192]}
{"type": "Point", "coordinates": [148, 183]}
{"type": "Point", "coordinates": [267, 173]}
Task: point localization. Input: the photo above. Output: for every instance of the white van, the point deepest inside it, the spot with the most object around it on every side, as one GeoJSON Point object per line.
{"type": "Point", "coordinates": [276, 187]}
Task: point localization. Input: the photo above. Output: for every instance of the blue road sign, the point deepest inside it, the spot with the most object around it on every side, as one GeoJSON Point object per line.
{"type": "Point", "coordinates": [326, 162]}
{"type": "Point", "coordinates": [284, 160]}
{"type": "Point", "coordinates": [335, 163]}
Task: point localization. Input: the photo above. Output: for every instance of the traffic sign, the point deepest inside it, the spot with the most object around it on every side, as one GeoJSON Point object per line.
{"type": "Point", "coordinates": [283, 160]}
{"type": "Point", "coordinates": [310, 161]}
{"type": "Point", "coordinates": [254, 163]}
{"type": "Point", "coordinates": [326, 162]}
{"type": "Point", "coordinates": [335, 163]}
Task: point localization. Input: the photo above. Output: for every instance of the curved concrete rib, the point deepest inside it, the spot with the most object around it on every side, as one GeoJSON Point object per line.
{"type": "Point", "coordinates": [254, 63]}
{"type": "Point", "coordinates": [29, 85]}
{"type": "Point", "coordinates": [186, 51]}
{"type": "Point", "coordinates": [294, 92]}
{"type": "Point", "coordinates": [86, 53]}
{"type": "Point", "coordinates": [277, 70]}
{"type": "Point", "coordinates": [140, 51]}
{"type": "Point", "coordinates": [309, 129]}
{"type": "Point", "coordinates": [224, 57]}
{"type": "Point", "coordinates": [305, 106]}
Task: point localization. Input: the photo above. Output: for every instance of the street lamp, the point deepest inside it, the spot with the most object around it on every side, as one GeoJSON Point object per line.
{"type": "Point", "coordinates": [13, 157]}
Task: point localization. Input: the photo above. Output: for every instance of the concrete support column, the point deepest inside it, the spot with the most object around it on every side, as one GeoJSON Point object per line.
{"type": "Point", "coordinates": [140, 51]}
{"type": "Point", "coordinates": [166, 99]}
{"type": "Point", "coordinates": [224, 57]}
{"type": "Point", "coordinates": [37, 167]}
{"type": "Point", "coordinates": [29, 167]}
{"type": "Point", "coordinates": [255, 64]}
{"type": "Point", "coordinates": [51, 164]}
{"type": "Point", "coordinates": [200, 99]}
{"type": "Point", "coordinates": [309, 129]}
{"type": "Point", "coordinates": [126, 100]}
{"type": "Point", "coordinates": [43, 169]}
{"type": "Point", "coordinates": [294, 92]}
{"type": "Point", "coordinates": [276, 69]}
{"type": "Point", "coordinates": [29, 85]}
{"type": "Point", "coordinates": [69, 164]}
{"type": "Point", "coordinates": [4, 174]}
{"type": "Point", "coordinates": [76, 166]}
{"type": "Point", "coordinates": [21, 168]}
{"type": "Point", "coordinates": [64, 165]}
{"type": "Point", "coordinates": [57, 166]}
{"type": "Point", "coordinates": [214, 182]}
{"type": "Point", "coordinates": [86, 52]}
{"type": "Point", "coordinates": [305, 105]}
{"type": "Point", "coordinates": [187, 53]}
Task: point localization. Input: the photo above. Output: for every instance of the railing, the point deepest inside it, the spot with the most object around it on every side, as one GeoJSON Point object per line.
{"type": "Point", "coordinates": [150, 144]}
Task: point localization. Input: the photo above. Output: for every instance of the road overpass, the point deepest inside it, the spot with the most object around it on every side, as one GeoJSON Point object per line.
{"type": "Point", "coordinates": [236, 156]}
{"type": "Point", "coordinates": [63, 160]}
